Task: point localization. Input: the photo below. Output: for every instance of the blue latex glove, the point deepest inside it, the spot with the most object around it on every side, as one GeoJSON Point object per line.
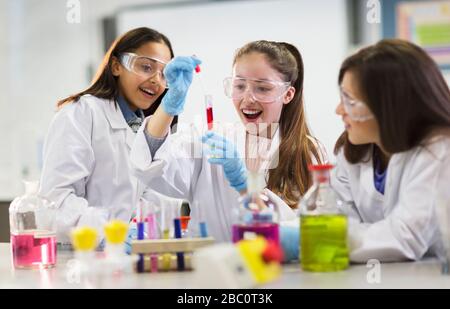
{"type": "Point", "coordinates": [132, 234]}
{"type": "Point", "coordinates": [223, 152]}
{"type": "Point", "coordinates": [290, 242]}
{"type": "Point", "coordinates": [178, 73]}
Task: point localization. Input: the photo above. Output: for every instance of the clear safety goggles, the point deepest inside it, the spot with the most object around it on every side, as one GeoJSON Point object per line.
{"type": "Point", "coordinates": [264, 91]}
{"type": "Point", "coordinates": [143, 66]}
{"type": "Point", "coordinates": [356, 110]}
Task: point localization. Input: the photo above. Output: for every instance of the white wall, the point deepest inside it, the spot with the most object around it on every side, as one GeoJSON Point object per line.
{"type": "Point", "coordinates": [4, 123]}
{"type": "Point", "coordinates": [214, 31]}
{"type": "Point", "coordinates": [43, 59]}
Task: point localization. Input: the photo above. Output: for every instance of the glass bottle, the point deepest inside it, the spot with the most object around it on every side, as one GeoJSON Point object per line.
{"type": "Point", "coordinates": [323, 229]}
{"type": "Point", "coordinates": [33, 229]}
{"type": "Point", "coordinates": [256, 215]}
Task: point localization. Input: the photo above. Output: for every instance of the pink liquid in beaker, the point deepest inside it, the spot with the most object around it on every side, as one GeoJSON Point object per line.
{"type": "Point", "coordinates": [33, 251]}
{"type": "Point", "coordinates": [269, 230]}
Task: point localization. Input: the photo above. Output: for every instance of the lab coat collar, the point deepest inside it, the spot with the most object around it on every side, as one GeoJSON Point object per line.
{"type": "Point", "coordinates": [275, 143]}
{"type": "Point", "coordinates": [241, 135]}
{"type": "Point", "coordinates": [368, 180]}
{"type": "Point", "coordinates": [114, 115]}
{"type": "Point", "coordinates": [127, 112]}
{"type": "Point", "coordinates": [117, 121]}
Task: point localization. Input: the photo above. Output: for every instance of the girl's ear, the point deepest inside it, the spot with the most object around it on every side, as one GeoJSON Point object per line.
{"type": "Point", "coordinates": [116, 68]}
{"type": "Point", "coordinates": [287, 98]}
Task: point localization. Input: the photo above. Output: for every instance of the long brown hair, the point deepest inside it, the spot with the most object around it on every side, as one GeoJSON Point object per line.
{"type": "Point", "coordinates": [290, 178]}
{"type": "Point", "coordinates": [104, 84]}
{"type": "Point", "coordinates": [404, 89]}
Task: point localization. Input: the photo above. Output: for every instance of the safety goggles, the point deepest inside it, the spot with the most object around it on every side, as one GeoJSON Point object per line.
{"type": "Point", "coordinates": [264, 91]}
{"type": "Point", "coordinates": [356, 110]}
{"type": "Point", "coordinates": [143, 66]}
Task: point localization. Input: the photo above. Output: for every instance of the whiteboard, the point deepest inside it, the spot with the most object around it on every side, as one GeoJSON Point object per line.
{"type": "Point", "coordinates": [214, 30]}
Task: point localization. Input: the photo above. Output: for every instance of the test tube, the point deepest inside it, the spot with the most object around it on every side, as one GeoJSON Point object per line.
{"type": "Point", "coordinates": [209, 111]}
{"type": "Point", "coordinates": [201, 219]}
{"type": "Point", "coordinates": [208, 101]}
{"type": "Point", "coordinates": [168, 213]}
{"type": "Point", "coordinates": [140, 234]}
{"type": "Point", "coordinates": [180, 255]}
{"type": "Point", "coordinates": [152, 234]}
{"type": "Point", "coordinates": [184, 226]}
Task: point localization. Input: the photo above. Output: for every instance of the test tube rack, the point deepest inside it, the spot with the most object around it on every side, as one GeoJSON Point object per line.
{"type": "Point", "coordinates": [169, 247]}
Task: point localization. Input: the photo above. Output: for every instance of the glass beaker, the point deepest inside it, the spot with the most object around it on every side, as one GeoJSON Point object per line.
{"type": "Point", "coordinates": [33, 229]}
{"type": "Point", "coordinates": [257, 214]}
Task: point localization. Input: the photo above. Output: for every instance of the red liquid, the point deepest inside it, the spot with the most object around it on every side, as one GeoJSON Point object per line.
{"type": "Point", "coordinates": [269, 230]}
{"type": "Point", "coordinates": [209, 117]}
{"type": "Point", "coordinates": [31, 251]}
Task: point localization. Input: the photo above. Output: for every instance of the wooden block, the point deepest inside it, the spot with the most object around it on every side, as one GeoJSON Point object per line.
{"type": "Point", "coordinates": [169, 245]}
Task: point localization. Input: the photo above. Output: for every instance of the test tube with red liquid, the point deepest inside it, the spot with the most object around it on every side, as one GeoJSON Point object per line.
{"type": "Point", "coordinates": [209, 111]}
{"type": "Point", "coordinates": [208, 102]}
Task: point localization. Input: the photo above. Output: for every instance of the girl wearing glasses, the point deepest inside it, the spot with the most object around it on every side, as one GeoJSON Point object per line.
{"type": "Point", "coordinates": [86, 167]}
{"type": "Point", "coordinates": [395, 105]}
{"type": "Point", "coordinates": [267, 91]}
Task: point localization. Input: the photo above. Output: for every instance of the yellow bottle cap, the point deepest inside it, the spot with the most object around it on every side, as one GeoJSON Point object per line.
{"type": "Point", "coordinates": [84, 238]}
{"type": "Point", "coordinates": [116, 231]}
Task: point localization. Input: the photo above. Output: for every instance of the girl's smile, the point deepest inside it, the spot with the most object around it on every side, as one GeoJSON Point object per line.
{"type": "Point", "coordinates": [255, 67]}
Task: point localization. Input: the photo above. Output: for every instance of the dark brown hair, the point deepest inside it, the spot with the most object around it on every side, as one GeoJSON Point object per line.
{"type": "Point", "coordinates": [291, 178]}
{"type": "Point", "coordinates": [404, 89]}
{"type": "Point", "coordinates": [104, 84]}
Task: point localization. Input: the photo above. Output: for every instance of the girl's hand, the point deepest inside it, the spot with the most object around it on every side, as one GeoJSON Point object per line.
{"type": "Point", "coordinates": [224, 153]}
{"type": "Point", "coordinates": [178, 73]}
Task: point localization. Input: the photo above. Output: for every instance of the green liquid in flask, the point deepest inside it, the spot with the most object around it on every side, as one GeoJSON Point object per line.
{"type": "Point", "coordinates": [323, 242]}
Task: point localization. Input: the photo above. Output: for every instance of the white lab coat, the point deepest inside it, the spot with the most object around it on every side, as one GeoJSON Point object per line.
{"type": "Point", "coordinates": [87, 166]}
{"type": "Point", "coordinates": [401, 224]}
{"type": "Point", "coordinates": [174, 172]}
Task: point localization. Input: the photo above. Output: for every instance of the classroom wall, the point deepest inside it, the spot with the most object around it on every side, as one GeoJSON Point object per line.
{"type": "Point", "coordinates": [4, 123]}
{"type": "Point", "coordinates": [214, 31]}
{"type": "Point", "coordinates": [43, 58]}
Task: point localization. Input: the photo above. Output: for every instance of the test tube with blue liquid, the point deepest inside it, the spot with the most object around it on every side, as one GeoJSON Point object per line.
{"type": "Point", "coordinates": [203, 231]}
{"type": "Point", "coordinates": [140, 234]}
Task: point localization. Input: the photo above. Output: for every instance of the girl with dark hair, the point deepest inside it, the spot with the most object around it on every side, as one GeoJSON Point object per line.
{"type": "Point", "coordinates": [86, 167]}
{"type": "Point", "coordinates": [395, 105]}
{"type": "Point", "coordinates": [266, 88]}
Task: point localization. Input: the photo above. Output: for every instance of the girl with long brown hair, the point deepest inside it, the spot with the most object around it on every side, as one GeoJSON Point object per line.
{"type": "Point", "coordinates": [87, 170]}
{"type": "Point", "coordinates": [395, 105]}
{"type": "Point", "coordinates": [266, 88]}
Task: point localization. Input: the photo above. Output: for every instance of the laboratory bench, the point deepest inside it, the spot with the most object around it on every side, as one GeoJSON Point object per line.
{"type": "Point", "coordinates": [410, 275]}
